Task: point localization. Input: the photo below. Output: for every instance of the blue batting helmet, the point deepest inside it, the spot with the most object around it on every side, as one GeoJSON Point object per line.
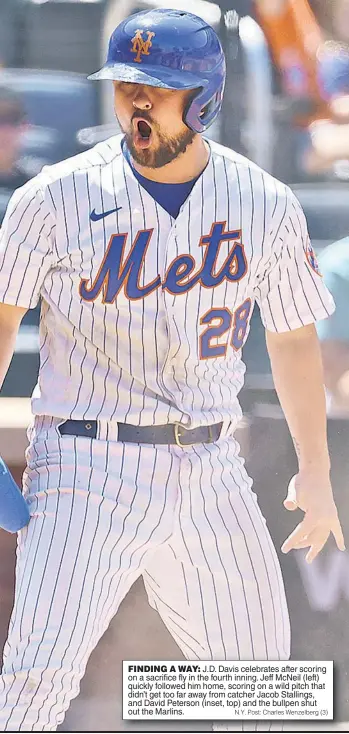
{"type": "Point", "coordinates": [173, 50]}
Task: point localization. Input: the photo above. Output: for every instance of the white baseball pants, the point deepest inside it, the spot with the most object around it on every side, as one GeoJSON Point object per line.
{"type": "Point", "coordinates": [102, 513]}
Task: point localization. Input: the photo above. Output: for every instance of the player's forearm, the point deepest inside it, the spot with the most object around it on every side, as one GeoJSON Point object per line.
{"type": "Point", "coordinates": [7, 346]}
{"type": "Point", "coordinates": [10, 319]}
{"type": "Point", "coordinates": [298, 377]}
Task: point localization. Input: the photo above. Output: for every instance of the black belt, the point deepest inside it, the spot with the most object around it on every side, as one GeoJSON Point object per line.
{"type": "Point", "coordinates": [171, 433]}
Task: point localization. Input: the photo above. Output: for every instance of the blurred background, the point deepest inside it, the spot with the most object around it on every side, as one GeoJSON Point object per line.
{"type": "Point", "coordinates": [286, 107]}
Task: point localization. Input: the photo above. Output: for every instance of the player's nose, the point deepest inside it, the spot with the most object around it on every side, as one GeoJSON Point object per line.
{"type": "Point", "coordinates": [142, 100]}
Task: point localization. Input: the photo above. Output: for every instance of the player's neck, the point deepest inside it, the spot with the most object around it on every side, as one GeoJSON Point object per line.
{"type": "Point", "coordinates": [185, 167]}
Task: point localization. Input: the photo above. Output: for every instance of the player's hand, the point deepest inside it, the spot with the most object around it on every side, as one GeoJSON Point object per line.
{"type": "Point", "coordinates": [313, 495]}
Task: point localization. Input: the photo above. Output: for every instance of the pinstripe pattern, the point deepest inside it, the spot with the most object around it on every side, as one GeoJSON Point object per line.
{"type": "Point", "coordinates": [48, 245]}
{"type": "Point", "coordinates": [89, 537]}
{"type": "Point", "coordinates": [221, 550]}
{"type": "Point", "coordinates": [225, 599]}
{"type": "Point", "coordinates": [102, 512]}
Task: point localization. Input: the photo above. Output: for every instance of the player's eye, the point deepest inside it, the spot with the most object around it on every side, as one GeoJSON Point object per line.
{"type": "Point", "coordinates": [126, 87]}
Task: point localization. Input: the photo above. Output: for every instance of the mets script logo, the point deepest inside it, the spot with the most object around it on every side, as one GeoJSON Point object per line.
{"type": "Point", "coordinates": [312, 259]}
{"type": "Point", "coordinates": [140, 46]}
{"type": "Point", "coordinates": [118, 271]}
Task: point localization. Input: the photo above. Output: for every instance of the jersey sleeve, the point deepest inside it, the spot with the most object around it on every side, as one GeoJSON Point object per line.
{"type": "Point", "coordinates": [26, 246]}
{"type": "Point", "coordinates": [290, 290]}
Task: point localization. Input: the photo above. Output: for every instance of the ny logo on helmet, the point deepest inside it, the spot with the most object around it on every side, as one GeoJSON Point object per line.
{"type": "Point", "coordinates": [140, 46]}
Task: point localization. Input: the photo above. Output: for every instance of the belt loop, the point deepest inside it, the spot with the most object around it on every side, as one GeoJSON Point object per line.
{"type": "Point", "coordinates": [226, 429]}
{"type": "Point", "coordinates": [59, 422]}
{"type": "Point", "coordinates": [107, 430]}
{"type": "Point", "coordinates": [102, 430]}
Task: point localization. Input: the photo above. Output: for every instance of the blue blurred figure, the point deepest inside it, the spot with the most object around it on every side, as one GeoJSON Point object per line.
{"type": "Point", "coordinates": [330, 137]}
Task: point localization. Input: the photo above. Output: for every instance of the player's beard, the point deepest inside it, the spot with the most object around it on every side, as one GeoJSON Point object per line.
{"type": "Point", "coordinates": [161, 152]}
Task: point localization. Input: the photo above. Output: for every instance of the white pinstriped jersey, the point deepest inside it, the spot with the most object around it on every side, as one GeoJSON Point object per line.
{"type": "Point", "coordinates": [143, 316]}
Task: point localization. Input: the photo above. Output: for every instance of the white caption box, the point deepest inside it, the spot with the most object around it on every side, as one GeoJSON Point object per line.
{"type": "Point", "coordinates": [227, 690]}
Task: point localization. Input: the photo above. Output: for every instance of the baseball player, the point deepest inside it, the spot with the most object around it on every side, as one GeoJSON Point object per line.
{"type": "Point", "coordinates": [148, 253]}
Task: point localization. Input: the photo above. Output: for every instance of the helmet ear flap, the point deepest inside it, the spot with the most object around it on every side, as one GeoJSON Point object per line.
{"type": "Point", "coordinates": [210, 107]}
{"type": "Point", "coordinates": [203, 107]}
{"type": "Point", "coordinates": [186, 117]}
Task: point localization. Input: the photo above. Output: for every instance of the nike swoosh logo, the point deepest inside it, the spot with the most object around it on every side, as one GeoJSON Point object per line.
{"type": "Point", "coordinates": [96, 217]}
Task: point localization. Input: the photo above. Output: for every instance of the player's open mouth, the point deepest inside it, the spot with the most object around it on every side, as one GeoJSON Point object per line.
{"type": "Point", "coordinates": [142, 133]}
